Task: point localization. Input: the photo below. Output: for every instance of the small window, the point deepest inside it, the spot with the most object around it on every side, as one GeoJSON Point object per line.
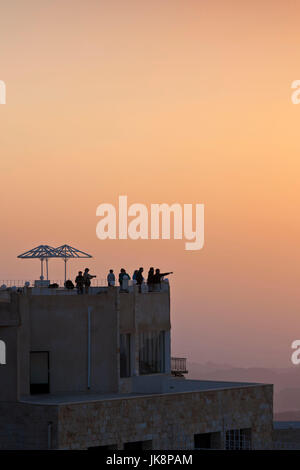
{"type": "Point", "coordinates": [207, 440]}
{"type": "Point", "coordinates": [101, 448]}
{"type": "Point", "coordinates": [39, 372]}
{"type": "Point", "coordinates": [125, 355]}
{"type": "Point", "coordinates": [152, 352]}
{"type": "Point", "coordinates": [238, 439]}
{"type": "Point", "coordinates": [139, 445]}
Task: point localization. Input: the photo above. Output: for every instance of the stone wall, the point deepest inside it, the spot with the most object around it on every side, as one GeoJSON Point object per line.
{"type": "Point", "coordinates": [169, 420]}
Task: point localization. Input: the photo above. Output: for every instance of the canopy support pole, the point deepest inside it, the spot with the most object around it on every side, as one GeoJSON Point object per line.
{"type": "Point", "coordinates": [65, 260]}
{"type": "Point", "coordinates": [42, 270]}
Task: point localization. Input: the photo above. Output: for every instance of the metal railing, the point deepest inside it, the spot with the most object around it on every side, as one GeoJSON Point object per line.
{"type": "Point", "coordinates": [100, 283]}
{"type": "Point", "coordinates": [178, 364]}
{"type": "Point", "coordinates": [60, 282]}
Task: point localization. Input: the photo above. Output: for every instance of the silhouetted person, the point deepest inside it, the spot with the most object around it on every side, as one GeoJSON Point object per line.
{"type": "Point", "coordinates": [121, 275]}
{"type": "Point", "coordinates": [157, 278]}
{"type": "Point", "coordinates": [79, 281]}
{"type": "Point", "coordinates": [53, 286]}
{"type": "Point", "coordinates": [140, 278]}
{"type": "Point", "coordinates": [111, 278]}
{"type": "Point", "coordinates": [69, 284]}
{"type": "Point", "coordinates": [123, 280]}
{"type": "Point", "coordinates": [87, 279]}
{"type": "Point", "coordinates": [150, 279]}
{"type": "Point", "coordinates": [134, 275]}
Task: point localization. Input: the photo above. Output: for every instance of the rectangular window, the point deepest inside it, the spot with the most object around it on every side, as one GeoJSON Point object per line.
{"type": "Point", "coordinates": [238, 439]}
{"type": "Point", "coordinates": [152, 352]}
{"type": "Point", "coordinates": [208, 440]}
{"type": "Point", "coordinates": [102, 448]}
{"type": "Point", "coordinates": [39, 372]}
{"type": "Point", "coordinates": [139, 445]}
{"type": "Point", "coordinates": [125, 355]}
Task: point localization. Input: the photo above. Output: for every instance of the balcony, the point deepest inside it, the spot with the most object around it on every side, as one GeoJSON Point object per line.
{"type": "Point", "coordinates": [178, 366]}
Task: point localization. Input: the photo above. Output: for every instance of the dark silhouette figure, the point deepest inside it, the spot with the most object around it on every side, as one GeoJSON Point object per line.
{"type": "Point", "coordinates": [79, 281]}
{"type": "Point", "coordinates": [150, 279]}
{"type": "Point", "coordinates": [53, 286]}
{"type": "Point", "coordinates": [69, 284]}
{"type": "Point", "coordinates": [140, 278]}
{"type": "Point", "coordinates": [157, 278]}
{"type": "Point", "coordinates": [123, 280]}
{"type": "Point", "coordinates": [111, 278]}
{"type": "Point", "coordinates": [87, 279]}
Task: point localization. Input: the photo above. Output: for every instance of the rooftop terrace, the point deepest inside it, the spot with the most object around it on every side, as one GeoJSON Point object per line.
{"type": "Point", "coordinates": [97, 287]}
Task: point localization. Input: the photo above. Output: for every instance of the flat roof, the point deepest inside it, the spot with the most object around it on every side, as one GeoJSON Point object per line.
{"type": "Point", "coordinates": [286, 424]}
{"type": "Point", "coordinates": [185, 387]}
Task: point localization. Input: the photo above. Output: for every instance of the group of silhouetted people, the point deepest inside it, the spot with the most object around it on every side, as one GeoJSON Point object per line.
{"type": "Point", "coordinates": [83, 281]}
{"type": "Point", "coordinates": [154, 279]}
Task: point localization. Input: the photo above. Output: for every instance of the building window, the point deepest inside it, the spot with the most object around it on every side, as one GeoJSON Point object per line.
{"type": "Point", "coordinates": [238, 439]}
{"type": "Point", "coordinates": [125, 355]}
{"type": "Point", "coordinates": [39, 372]}
{"type": "Point", "coordinates": [207, 440]}
{"type": "Point", "coordinates": [139, 445]}
{"type": "Point", "coordinates": [102, 448]}
{"type": "Point", "coordinates": [152, 352]}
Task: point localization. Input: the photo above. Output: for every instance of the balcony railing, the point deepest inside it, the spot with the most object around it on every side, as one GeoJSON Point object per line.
{"type": "Point", "coordinates": [178, 366]}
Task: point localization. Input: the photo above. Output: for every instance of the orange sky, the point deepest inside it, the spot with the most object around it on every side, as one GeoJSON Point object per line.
{"type": "Point", "coordinates": [164, 101]}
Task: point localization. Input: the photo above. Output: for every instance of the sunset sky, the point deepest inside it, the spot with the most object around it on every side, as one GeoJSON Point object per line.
{"type": "Point", "coordinates": [164, 101]}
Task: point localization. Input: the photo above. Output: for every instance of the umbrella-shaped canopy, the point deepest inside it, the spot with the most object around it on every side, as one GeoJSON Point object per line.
{"type": "Point", "coordinates": [66, 252]}
{"type": "Point", "coordinates": [41, 252]}
{"type": "Point", "coordinates": [44, 252]}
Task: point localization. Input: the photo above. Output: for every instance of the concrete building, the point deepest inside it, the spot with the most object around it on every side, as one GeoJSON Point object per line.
{"type": "Point", "coordinates": [94, 372]}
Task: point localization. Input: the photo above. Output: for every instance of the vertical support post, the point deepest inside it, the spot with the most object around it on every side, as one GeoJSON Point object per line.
{"type": "Point", "coordinates": [47, 268]}
{"type": "Point", "coordinates": [42, 270]}
{"type": "Point", "coordinates": [65, 260]}
{"type": "Point", "coordinates": [89, 349]}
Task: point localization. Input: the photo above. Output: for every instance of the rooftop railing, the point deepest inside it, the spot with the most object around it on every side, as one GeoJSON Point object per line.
{"type": "Point", "coordinates": [97, 286]}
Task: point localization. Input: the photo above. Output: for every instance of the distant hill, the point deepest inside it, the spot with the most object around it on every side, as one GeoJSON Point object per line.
{"type": "Point", "coordinates": [286, 381]}
{"type": "Point", "coordinates": [287, 416]}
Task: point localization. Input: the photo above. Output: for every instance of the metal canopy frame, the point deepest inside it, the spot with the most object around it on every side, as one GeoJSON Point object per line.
{"type": "Point", "coordinates": [66, 252]}
{"type": "Point", "coordinates": [44, 252]}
